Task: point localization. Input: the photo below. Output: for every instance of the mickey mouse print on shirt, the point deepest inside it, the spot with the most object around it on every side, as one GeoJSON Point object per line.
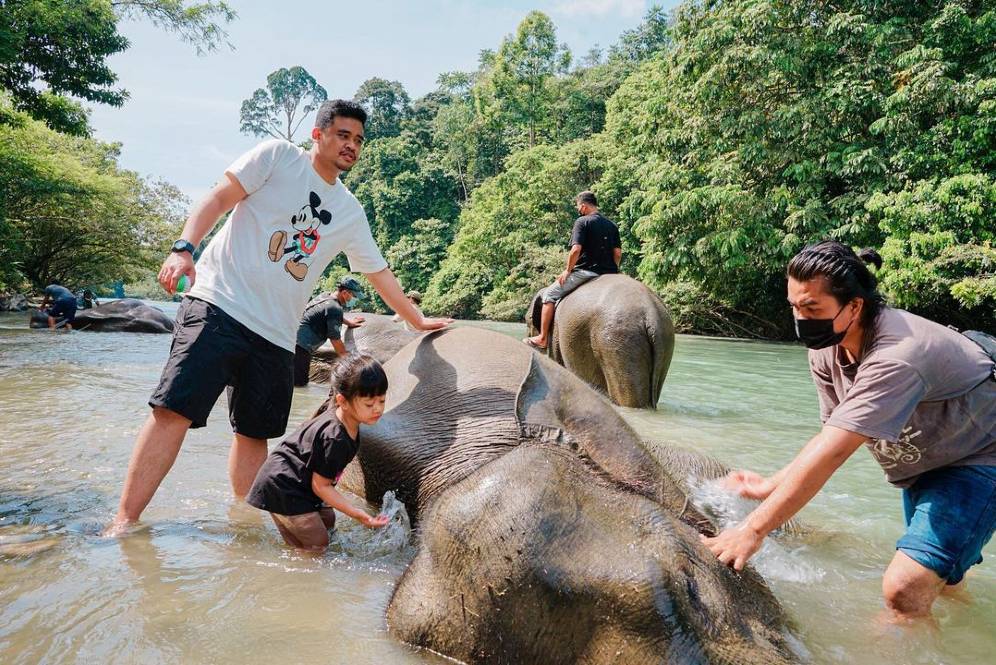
{"type": "Point", "coordinates": [303, 244]}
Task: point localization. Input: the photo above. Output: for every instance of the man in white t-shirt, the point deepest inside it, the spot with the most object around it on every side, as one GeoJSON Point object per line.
{"type": "Point", "coordinates": [237, 327]}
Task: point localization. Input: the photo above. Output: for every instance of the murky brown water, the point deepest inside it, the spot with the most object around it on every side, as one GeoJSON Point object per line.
{"type": "Point", "coordinates": [207, 581]}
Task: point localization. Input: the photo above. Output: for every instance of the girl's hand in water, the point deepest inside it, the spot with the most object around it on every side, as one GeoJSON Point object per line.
{"type": "Point", "coordinates": [734, 546]}
{"type": "Point", "coordinates": [748, 484]}
{"type": "Point", "coordinates": [375, 522]}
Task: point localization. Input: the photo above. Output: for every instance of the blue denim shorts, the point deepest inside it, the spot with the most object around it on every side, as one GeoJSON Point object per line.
{"type": "Point", "coordinates": [950, 516]}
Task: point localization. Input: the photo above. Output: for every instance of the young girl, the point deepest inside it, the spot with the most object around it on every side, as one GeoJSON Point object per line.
{"type": "Point", "coordinates": [300, 474]}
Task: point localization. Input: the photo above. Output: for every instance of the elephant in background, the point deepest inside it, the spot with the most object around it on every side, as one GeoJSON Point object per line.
{"type": "Point", "coordinates": [125, 315]}
{"type": "Point", "coordinates": [380, 337]}
{"type": "Point", "coordinates": [546, 532]}
{"type": "Point", "coordinates": [615, 334]}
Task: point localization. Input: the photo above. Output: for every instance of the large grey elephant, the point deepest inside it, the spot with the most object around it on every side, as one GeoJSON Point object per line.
{"type": "Point", "coordinates": [125, 315]}
{"type": "Point", "coordinates": [615, 334]}
{"type": "Point", "coordinates": [546, 532]}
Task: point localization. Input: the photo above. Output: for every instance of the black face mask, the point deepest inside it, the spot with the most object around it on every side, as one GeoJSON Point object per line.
{"type": "Point", "coordinates": [819, 333]}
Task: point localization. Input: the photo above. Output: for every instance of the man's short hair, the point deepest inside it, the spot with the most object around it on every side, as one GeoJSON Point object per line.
{"type": "Point", "coordinates": [587, 197]}
{"type": "Point", "coordinates": [344, 108]}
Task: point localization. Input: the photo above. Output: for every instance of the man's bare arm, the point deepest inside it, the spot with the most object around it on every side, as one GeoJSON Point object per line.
{"type": "Point", "coordinates": [203, 217]}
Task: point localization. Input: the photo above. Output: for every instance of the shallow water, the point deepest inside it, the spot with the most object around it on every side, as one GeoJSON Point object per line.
{"type": "Point", "coordinates": [207, 581]}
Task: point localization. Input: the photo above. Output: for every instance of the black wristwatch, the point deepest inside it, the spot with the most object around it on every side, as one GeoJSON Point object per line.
{"type": "Point", "coordinates": [182, 245]}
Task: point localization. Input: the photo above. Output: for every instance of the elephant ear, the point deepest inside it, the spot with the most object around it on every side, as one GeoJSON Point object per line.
{"type": "Point", "coordinates": [554, 406]}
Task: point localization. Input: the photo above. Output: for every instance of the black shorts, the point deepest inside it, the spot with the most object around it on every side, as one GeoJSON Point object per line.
{"type": "Point", "coordinates": [210, 351]}
{"type": "Point", "coordinates": [302, 366]}
{"type": "Point", "coordinates": [63, 310]}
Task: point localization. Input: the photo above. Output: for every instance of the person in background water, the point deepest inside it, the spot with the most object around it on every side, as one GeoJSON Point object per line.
{"type": "Point", "coordinates": [237, 326]}
{"type": "Point", "coordinates": [87, 299]}
{"type": "Point", "coordinates": [62, 312]}
{"type": "Point", "coordinates": [921, 396]}
{"type": "Point", "coordinates": [415, 298]}
{"type": "Point", "coordinates": [595, 250]}
{"type": "Point", "coordinates": [296, 483]}
{"type": "Point", "coordinates": [322, 320]}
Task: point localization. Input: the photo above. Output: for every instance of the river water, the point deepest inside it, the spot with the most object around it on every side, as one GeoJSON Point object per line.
{"type": "Point", "coordinates": [209, 581]}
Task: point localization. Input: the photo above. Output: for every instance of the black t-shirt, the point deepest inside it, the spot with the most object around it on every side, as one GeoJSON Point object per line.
{"type": "Point", "coordinates": [320, 445]}
{"type": "Point", "coordinates": [598, 238]}
{"type": "Point", "coordinates": [321, 321]}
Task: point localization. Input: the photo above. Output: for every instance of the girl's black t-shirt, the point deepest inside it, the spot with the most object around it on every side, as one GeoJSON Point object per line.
{"type": "Point", "coordinates": [320, 445]}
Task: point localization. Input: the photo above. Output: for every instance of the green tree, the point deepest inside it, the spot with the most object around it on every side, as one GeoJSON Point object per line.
{"type": "Point", "coordinates": [396, 185]}
{"type": "Point", "coordinates": [773, 123]}
{"type": "Point", "coordinates": [198, 23]}
{"type": "Point", "coordinates": [68, 213]}
{"type": "Point", "coordinates": [518, 85]}
{"type": "Point", "coordinates": [279, 109]}
{"type": "Point", "coordinates": [387, 106]}
{"type": "Point", "coordinates": [416, 256]}
{"type": "Point", "coordinates": [50, 49]}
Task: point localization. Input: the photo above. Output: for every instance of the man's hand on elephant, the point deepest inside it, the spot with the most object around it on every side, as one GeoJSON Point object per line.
{"type": "Point", "coordinates": [562, 277]}
{"type": "Point", "coordinates": [375, 522]}
{"type": "Point", "coordinates": [734, 546]}
{"type": "Point", "coordinates": [748, 484]}
{"type": "Point", "coordinates": [353, 321]}
{"type": "Point", "coordinates": [433, 324]}
{"type": "Point", "coordinates": [176, 265]}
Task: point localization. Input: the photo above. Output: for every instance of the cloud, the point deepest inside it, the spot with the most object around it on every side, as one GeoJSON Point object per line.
{"type": "Point", "coordinates": [627, 8]}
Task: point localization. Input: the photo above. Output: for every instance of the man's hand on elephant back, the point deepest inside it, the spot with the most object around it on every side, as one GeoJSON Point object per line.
{"type": "Point", "coordinates": [734, 546]}
{"type": "Point", "coordinates": [427, 325]}
{"type": "Point", "coordinates": [748, 484]}
{"type": "Point", "coordinates": [176, 265]}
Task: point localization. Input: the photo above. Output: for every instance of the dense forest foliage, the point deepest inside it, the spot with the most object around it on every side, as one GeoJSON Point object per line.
{"type": "Point", "coordinates": [722, 137]}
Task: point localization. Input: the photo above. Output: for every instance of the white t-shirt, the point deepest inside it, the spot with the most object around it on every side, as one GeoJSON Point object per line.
{"type": "Point", "coordinates": [263, 264]}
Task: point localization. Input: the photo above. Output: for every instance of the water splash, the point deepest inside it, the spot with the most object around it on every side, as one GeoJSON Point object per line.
{"type": "Point", "coordinates": [388, 544]}
{"type": "Point", "coordinates": [778, 558]}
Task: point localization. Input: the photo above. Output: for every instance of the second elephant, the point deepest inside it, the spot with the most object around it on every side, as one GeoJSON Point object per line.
{"type": "Point", "coordinates": [616, 335]}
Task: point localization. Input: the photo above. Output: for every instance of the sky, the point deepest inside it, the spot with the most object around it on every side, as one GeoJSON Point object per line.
{"type": "Point", "coordinates": [181, 122]}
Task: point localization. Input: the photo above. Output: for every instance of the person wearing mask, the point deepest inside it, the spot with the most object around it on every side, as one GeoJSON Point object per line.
{"type": "Point", "coordinates": [322, 320]}
{"type": "Point", "coordinates": [919, 395]}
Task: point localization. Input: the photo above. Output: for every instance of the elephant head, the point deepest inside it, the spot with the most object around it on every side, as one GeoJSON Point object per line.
{"type": "Point", "coordinates": [546, 531]}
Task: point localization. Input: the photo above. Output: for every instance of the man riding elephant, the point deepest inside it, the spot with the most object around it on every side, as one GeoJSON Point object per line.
{"type": "Point", "coordinates": [595, 250]}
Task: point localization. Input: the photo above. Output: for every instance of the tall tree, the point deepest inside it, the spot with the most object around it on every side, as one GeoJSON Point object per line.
{"type": "Point", "coordinates": [198, 23]}
{"type": "Point", "coordinates": [50, 49]}
{"type": "Point", "coordinates": [523, 69]}
{"type": "Point", "coordinates": [387, 106]}
{"type": "Point", "coordinates": [279, 109]}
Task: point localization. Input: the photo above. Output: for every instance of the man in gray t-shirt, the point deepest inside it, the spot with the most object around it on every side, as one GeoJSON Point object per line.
{"type": "Point", "coordinates": [920, 396]}
{"type": "Point", "coordinates": [322, 320]}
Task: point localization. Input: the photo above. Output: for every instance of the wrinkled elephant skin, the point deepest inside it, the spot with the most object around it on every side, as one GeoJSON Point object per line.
{"type": "Point", "coordinates": [547, 533]}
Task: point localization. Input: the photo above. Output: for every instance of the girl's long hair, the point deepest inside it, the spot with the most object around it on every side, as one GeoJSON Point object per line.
{"type": "Point", "coordinates": [355, 375]}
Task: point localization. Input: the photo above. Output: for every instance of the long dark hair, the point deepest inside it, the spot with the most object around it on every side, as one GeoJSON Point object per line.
{"type": "Point", "coordinates": [355, 375]}
{"type": "Point", "coordinates": [846, 274]}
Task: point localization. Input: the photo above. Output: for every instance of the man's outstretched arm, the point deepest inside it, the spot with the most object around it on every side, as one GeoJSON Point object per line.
{"type": "Point", "coordinates": [390, 290]}
{"type": "Point", "coordinates": [203, 217]}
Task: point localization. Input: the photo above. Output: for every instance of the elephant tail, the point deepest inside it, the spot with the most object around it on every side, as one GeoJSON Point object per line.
{"type": "Point", "coordinates": [660, 335]}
